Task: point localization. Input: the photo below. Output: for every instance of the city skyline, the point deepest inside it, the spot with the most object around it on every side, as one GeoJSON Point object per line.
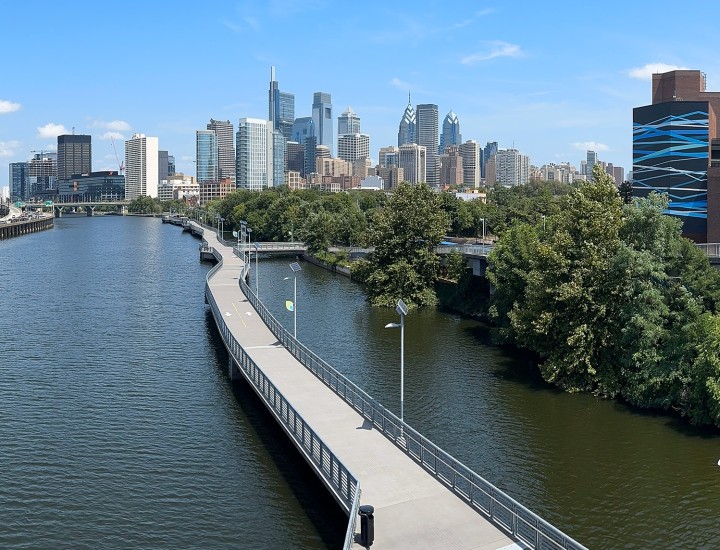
{"type": "Point", "coordinates": [505, 82]}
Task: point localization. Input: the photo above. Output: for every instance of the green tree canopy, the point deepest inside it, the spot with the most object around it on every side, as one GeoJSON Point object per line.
{"type": "Point", "coordinates": [405, 234]}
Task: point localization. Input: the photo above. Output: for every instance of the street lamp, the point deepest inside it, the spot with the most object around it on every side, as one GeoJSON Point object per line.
{"type": "Point", "coordinates": [257, 273]}
{"type": "Point", "coordinates": [247, 244]}
{"type": "Point", "coordinates": [401, 310]}
{"type": "Point", "coordinates": [295, 268]}
{"type": "Point", "coordinates": [222, 230]}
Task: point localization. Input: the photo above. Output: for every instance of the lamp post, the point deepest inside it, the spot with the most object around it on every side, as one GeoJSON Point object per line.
{"type": "Point", "coordinates": [401, 310]}
{"type": "Point", "coordinates": [543, 219]}
{"type": "Point", "coordinates": [222, 230]}
{"type": "Point", "coordinates": [257, 273]}
{"type": "Point", "coordinates": [247, 244]}
{"type": "Point", "coordinates": [295, 268]}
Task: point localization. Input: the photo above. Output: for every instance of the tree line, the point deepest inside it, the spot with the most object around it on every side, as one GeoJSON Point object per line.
{"type": "Point", "coordinates": [601, 288]}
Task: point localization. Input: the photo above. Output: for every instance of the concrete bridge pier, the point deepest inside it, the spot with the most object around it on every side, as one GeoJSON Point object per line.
{"type": "Point", "coordinates": [122, 210]}
{"type": "Point", "coordinates": [90, 210]}
{"type": "Point", "coordinates": [57, 211]}
{"type": "Point", "coordinates": [233, 370]}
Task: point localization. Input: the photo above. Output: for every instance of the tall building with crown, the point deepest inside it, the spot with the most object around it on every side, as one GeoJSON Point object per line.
{"type": "Point", "coordinates": [450, 132]}
{"type": "Point", "coordinates": [348, 123]}
{"type": "Point", "coordinates": [407, 130]}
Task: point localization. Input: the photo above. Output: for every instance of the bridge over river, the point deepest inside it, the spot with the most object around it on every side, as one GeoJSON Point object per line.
{"type": "Point", "coordinates": [363, 454]}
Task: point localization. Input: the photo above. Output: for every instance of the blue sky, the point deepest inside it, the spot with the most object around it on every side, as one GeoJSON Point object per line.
{"type": "Point", "coordinates": [552, 78]}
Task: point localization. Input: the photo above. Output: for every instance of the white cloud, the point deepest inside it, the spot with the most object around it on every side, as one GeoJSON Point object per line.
{"type": "Point", "coordinates": [8, 148]}
{"type": "Point", "coordinates": [113, 135]}
{"type": "Point", "coordinates": [116, 125]}
{"type": "Point", "coordinates": [252, 22]}
{"type": "Point", "coordinates": [51, 130]}
{"type": "Point", "coordinates": [590, 146]}
{"type": "Point", "coordinates": [646, 71]}
{"type": "Point", "coordinates": [232, 26]}
{"type": "Point", "coordinates": [400, 84]}
{"type": "Point", "coordinates": [8, 106]}
{"type": "Point", "coordinates": [497, 49]}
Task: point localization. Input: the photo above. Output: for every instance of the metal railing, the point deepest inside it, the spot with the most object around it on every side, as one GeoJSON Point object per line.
{"type": "Point", "coordinates": [711, 249]}
{"type": "Point", "coordinates": [504, 511]}
{"type": "Point", "coordinates": [345, 486]}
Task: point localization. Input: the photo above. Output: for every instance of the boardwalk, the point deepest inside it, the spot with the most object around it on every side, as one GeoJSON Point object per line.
{"type": "Point", "coordinates": [413, 508]}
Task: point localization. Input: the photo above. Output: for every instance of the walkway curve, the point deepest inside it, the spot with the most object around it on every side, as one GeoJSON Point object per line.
{"type": "Point", "coordinates": [413, 507]}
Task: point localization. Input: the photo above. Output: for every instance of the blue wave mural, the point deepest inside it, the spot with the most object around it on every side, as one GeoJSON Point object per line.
{"type": "Point", "coordinates": [670, 155]}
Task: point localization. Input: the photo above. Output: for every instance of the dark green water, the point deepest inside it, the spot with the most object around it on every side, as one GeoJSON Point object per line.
{"type": "Point", "coordinates": [608, 476]}
{"type": "Point", "coordinates": [118, 428]}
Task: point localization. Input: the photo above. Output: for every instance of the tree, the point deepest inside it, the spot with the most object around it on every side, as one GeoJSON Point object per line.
{"type": "Point", "coordinates": [567, 314]}
{"type": "Point", "coordinates": [626, 191]}
{"type": "Point", "coordinates": [405, 234]}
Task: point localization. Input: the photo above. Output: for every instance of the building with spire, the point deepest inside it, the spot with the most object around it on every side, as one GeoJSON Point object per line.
{"type": "Point", "coordinates": [281, 108]}
{"type": "Point", "coordinates": [348, 123]}
{"type": "Point", "coordinates": [450, 132]}
{"type": "Point", "coordinates": [406, 132]}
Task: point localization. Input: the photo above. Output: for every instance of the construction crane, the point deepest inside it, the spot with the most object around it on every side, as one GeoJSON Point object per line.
{"type": "Point", "coordinates": [121, 165]}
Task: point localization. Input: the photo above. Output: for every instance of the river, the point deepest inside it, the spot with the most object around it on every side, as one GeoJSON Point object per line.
{"type": "Point", "coordinates": [118, 427]}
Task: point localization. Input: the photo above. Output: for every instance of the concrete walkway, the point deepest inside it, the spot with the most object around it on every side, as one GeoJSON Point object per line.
{"type": "Point", "coordinates": [412, 508]}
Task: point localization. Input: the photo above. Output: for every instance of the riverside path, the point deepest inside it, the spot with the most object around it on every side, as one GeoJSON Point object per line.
{"type": "Point", "coordinates": [414, 505]}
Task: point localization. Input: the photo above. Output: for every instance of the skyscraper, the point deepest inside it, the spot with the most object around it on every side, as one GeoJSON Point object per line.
{"type": "Point", "coordinates": [281, 107]}
{"type": "Point", "coordinates": [427, 136]}
{"type": "Point", "coordinates": [303, 128]}
{"type": "Point", "coordinates": [472, 154]}
{"type": "Point", "coordinates": [592, 159]}
{"type": "Point", "coordinates": [451, 132]}
{"type": "Point", "coordinates": [74, 153]}
{"type": "Point", "coordinates": [491, 148]}
{"type": "Point", "coordinates": [407, 129]}
{"type": "Point", "coordinates": [450, 166]}
{"type": "Point", "coordinates": [413, 161]}
{"type": "Point", "coordinates": [226, 147]}
{"type": "Point", "coordinates": [353, 146]}
{"type": "Point", "coordinates": [388, 156]}
{"type": "Point", "coordinates": [141, 166]}
{"type": "Point", "coordinates": [323, 119]}
{"type": "Point", "coordinates": [206, 156]}
{"type": "Point", "coordinates": [278, 159]}
{"type": "Point", "coordinates": [42, 169]}
{"type": "Point", "coordinates": [254, 153]}
{"type": "Point", "coordinates": [348, 123]}
{"type": "Point", "coordinates": [512, 167]}
{"type": "Point", "coordinates": [19, 181]}
{"type": "Point", "coordinates": [163, 165]}
{"type": "Point", "coordinates": [295, 153]}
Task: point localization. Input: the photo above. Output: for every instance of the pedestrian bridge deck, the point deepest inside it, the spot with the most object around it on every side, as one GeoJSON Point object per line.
{"type": "Point", "coordinates": [413, 507]}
